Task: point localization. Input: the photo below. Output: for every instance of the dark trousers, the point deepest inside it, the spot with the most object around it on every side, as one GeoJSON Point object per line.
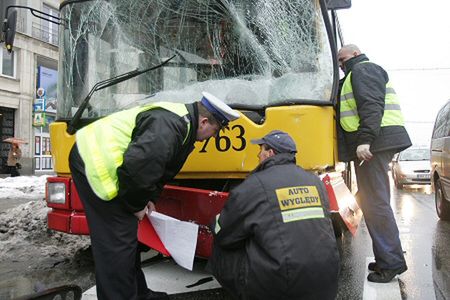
{"type": "Point", "coordinates": [228, 267]}
{"type": "Point", "coordinates": [231, 268]}
{"type": "Point", "coordinates": [374, 200]}
{"type": "Point", "coordinates": [13, 171]}
{"type": "Point", "coordinates": [113, 232]}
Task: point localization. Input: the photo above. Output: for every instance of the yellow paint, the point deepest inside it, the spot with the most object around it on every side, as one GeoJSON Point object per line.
{"type": "Point", "coordinates": [312, 128]}
{"type": "Point", "coordinates": [298, 197]}
{"type": "Point", "coordinates": [61, 143]}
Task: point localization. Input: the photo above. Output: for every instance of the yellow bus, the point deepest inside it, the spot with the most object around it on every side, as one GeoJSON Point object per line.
{"type": "Point", "coordinates": [274, 61]}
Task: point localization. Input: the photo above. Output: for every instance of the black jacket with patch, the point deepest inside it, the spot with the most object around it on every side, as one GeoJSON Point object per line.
{"type": "Point", "coordinates": [369, 89]}
{"type": "Point", "coordinates": [259, 255]}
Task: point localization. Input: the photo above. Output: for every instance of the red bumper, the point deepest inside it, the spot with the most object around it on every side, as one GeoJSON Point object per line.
{"type": "Point", "coordinates": [67, 221]}
{"type": "Point", "coordinates": [186, 204]}
{"type": "Point", "coordinates": [192, 205]}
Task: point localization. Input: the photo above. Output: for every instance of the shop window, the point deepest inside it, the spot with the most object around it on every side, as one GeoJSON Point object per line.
{"type": "Point", "coordinates": [42, 151]}
{"type": "Point", "coordinates": [46, 146]}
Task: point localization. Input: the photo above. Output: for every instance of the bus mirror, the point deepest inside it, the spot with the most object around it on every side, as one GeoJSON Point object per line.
{"type": "Point", "coordinates": [338, 4]}
{"type": "Point", "coordinates": [9, 30]}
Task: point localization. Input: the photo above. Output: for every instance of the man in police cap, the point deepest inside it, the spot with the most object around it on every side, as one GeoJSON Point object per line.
{"type": "Point", "coordinates": [120, 164]}
{"type": "Point", "coordinates": [274, 238]}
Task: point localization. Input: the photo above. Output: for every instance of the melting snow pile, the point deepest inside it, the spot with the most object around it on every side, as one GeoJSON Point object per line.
{"type": "Point", "coordinates": [25, 226]}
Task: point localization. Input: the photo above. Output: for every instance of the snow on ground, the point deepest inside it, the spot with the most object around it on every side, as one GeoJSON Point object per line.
{"type": "Point", "coordinates": [25, 225]}
{"type": "Point", "coordinates": [24, 187]}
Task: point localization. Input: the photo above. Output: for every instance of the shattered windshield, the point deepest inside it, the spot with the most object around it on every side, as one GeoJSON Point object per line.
{"type": "Point", "coordinates": [247, 52]}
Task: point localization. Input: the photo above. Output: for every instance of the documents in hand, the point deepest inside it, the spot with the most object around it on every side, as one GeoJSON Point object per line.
{"type": "Point", "coordinates": [176, 238]}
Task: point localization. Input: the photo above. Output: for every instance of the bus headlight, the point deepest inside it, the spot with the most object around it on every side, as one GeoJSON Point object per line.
{"type": "Point", "coordinates": [56, 192]}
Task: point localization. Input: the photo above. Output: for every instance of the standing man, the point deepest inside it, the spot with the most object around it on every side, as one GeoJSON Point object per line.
{"type": "Point", "coordinates": [120, 164]}
{"type": "Point", "coordinates": [373, 131]}
{"type": "Point", "coordinates": [274, 238]}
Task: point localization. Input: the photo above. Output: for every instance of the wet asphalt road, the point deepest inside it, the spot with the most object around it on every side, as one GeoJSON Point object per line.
{"type": "Point", "coordinates": [425, 240]}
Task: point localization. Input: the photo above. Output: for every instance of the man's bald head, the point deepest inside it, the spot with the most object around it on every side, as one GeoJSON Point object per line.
{"type": "Point", "coordinates": [351, 48]}
{"type": "Point", "coordinates": [347, 52]}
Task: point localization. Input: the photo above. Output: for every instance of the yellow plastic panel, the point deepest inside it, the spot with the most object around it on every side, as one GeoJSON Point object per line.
{"type": "Point", "coordinates": [312, 128]}
{"type": "Point", "coordinates": [62, 143]}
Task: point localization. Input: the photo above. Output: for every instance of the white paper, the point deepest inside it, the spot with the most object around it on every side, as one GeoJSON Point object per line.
{"type": "Point", "coordinates": [179, 237]}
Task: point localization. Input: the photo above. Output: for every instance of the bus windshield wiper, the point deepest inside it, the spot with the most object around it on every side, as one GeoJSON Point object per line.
{"type": "Point", "coordinates": [72, 128]}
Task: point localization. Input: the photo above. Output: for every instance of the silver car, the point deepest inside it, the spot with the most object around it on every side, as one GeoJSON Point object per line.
{"type": "Point", "coordinates": [411, 166]}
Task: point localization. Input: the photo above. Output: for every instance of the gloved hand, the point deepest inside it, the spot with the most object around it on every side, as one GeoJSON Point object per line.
{"type": "Point", "coordinates": [363, 152]}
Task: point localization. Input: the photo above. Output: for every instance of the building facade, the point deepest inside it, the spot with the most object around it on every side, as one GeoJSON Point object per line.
{"type": "Point", "coordinates": [31, 66]}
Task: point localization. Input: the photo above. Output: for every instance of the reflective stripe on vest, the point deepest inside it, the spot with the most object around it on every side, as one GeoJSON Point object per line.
{"type": "Point", "coordinates": [349, 117]}
{"type": "Point", "coordinates": [102, 144]}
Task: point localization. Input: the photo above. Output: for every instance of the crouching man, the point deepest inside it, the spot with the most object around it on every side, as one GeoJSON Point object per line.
{"type": "Point", "coordinates": [274, 238]}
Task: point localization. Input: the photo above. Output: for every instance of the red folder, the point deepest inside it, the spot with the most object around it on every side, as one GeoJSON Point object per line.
{"type": "Point", "coordinates": [148, 236]}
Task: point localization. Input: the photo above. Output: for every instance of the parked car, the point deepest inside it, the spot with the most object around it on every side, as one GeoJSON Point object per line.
{"type": "Point", "coordinates": [440, 162]}
{"type": "Point", "coordinates": [411, 166]}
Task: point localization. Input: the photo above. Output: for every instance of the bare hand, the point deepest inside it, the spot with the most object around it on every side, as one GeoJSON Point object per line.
{"type": "Point", "coordinates": [141, 214]}
{"type": "Point", "coordinates": [151, 207]}
{"type": "Point", "coordinates": [363, 152]}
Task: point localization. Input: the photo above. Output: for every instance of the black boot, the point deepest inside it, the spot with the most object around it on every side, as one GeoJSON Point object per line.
{"type": "Point", "coordinates": [373, 267]}
{"type": "Point", "coordinates": [386, 275]}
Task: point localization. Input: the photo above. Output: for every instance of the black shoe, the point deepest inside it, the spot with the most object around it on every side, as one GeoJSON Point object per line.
{"type": "Point", "coordinates": [373, 267]}
{"type": "Point", "coordinates": [386, 275]}
{"type": "Point", "coordinates": [153, 295]}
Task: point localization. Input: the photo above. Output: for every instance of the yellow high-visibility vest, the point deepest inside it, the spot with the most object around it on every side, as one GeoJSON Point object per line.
{"type": "Point", "coordinates": [349, 117]}
{"type": "Point", "coordinates": [102, 144]}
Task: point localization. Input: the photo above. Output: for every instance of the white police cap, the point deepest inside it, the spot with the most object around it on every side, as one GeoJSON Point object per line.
{"type": "Point", "coordinates": [221, 111]}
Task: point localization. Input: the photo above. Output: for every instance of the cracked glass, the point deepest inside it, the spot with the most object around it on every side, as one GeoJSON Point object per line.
{"type": "Point", "coordinates": [250, 53]}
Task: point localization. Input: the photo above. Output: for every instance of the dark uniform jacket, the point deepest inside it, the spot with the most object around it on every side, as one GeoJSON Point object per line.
{"type": "Point", "coordinates": [155, 155]}
{"type": "Point", "coordinates": [257, 255]}
{"type": "Point", "coordinates": [369, 89]}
